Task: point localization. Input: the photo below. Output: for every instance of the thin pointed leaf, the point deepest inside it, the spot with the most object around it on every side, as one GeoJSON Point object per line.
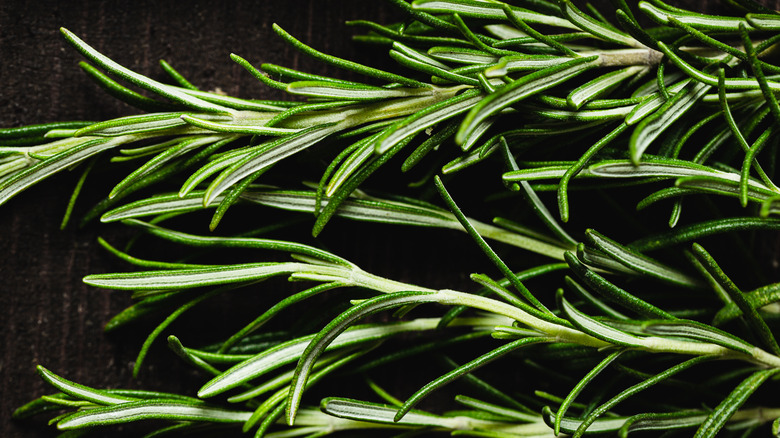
{"type": "Point", "coordinates": [598, 329]}
{"type": "Point", "coordinates": [663, 421]}
{"type": "Point", "coordinates": [570, 425]}
{"type": "Point", "coordinates": [372, 210]}
{"type": "Point", "coordinates": [700, 230]}
{"type": "Point", "coordinates": [265, 157]}
{"type": "Point", "coordinates": [331, 331]}
{"type": "Point", "coordinates": [161, 159]}
{"type": "Point", "coordinates": [472, 365]}
{"type": "Point", "coordinates": [520, 89]}
{"type": "Point", "coordinates": [275, 310]}
{"type": "Point", "coordinates": [651, 127]}
{"type": "Point", "coordinates": [196, 277]}
{"type": "Point", "coordinates": [490, 10]}
{"type": "Point", "coordinates": [345, 64]}
{"type": "Point", "coordinates": [330, 90]}
{"type": "Point", "coordinates": [595, 371]}
{"type": "Point", "coordinates": [750, 314]}
{"type": "Point", "coordinates": [404, 58]}
{"type": "Point", "coordinates": [164, 90]}
{"type": "Point", "coordinates": [600, 85]}
{"type": "Point", "coordinates": [639, 262]}
{"type": "Point", "coordinates": [721, 414]}
{"type": "Point", "coordinates": [729, 83]}
{"type": "Point", "coordinates": [698, 21]}
{"type": "Point", "coordinates": [30, 176]}
{"type": "Point", "coordinates": [157, 205]}
{"type": "Point", "coordinates": [81, 392]}
{"type": "Point", "coordinates": [698, 331]}
{"type": "Point", "coordinates": [148, 410]}
{"type": "Point", "coordinates": [238, 126]}
{"type": "Point", "coordinates": [605, 288]}
{"type": "Point", "coordinates": [538, 308]}
{"type": "Point", "coordinates": [427, 117]}
{"type": "Point", "coordinates": [758, 298]}
{"type": "Point", "coordinates": [377, 413]}
{"type": "Point", "coordinates": [598, 412]}
{"type": "Point", "coordinates": [596, 28]}
{"type": "Point", "coordinates": [291, 351]}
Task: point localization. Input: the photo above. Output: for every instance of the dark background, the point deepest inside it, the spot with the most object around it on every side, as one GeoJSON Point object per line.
{"type": "Point", "coordinates": [47, 316]}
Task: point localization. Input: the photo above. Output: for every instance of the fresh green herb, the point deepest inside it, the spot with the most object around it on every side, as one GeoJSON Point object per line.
{"type": "Point", "coordinates": [541, 96]}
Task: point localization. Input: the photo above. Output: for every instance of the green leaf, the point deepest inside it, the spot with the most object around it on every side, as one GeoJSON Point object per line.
{"type": "Point", "coordinates": [752, 318]}
{"type": "Point", "coordinates": [597, 329]}
{"type": "Point", "coordinates": [462, 55]}
{"type": "Point", "coordinates": [81, 392]}
{"type": "Point", "coordinates": [595, 371]}
{"type": "Point", "coordinates": [427, 117]}
{"type": "Point", "coordinates": [422, 63]}
{"type": "Point", "coordinates": [125, 94]}
{"type": "Point", "coordinates": [651, 127]}
{"type": "Point", "coordinates": [594, 27]}
{"type": "Point", "coordinates": [489, 10]}
{"type": "Point", "coordinates": [345, 64]}
{"type": "Point", "coordinates": [502, 411]}
{"type": "Point", "coordinates": [639, 262]}
{"type": "Point", "coordinates": [161, 159]}
{"type": "Point", "coordinates": [165, 324]}
{"type": "Point", "coordinates": [41, 170]}
{"type": "Point", "coordinates": [633, 390]}
{"type": "Point", "coordinates": [151, 410]}
{"type": "Point", "coordinates": [370, 209]}
{"type": "Point", "coordinates": [538, 308]}
{"type": "Point", "coordinates": [613, 292]}
{"type": "Point", "coordinates": [758, 298]}
{"type": "Point", "coordinates": [330, 332]}
{"type": "Point", "coordinates": [275, 310]}
{"type": "Point", "coordinates": [517, 20]}
{"type": "Point", "coordinates": [729, 83]}
{"type": "Point", "coordinates": [239, 125]}
{"type": "Point", "coordinates": [721, 414]}
{"type": "Point", "coordinates": [197, 277]}
{"type": "Point", "coordinates": [662, 421]}
{"type": "Point", "coordinates": [265, 157]}
{"type": "Point", "coordinates": [711, 23]}
{"type": "Point", "coordinates": [600, 85]}
{"type": "Point", "coordinates": [467, 368]}
{"type": "Point", "coordinates": [697, 331]}
{"type": "Point", "coordinates": [538, 206]}
{"type": "Point", "coordinates": [378, 413]}
{"type": "Point", "coordinates": [570, 425]}
{"type": "Point", "coordinates": [164, 90]}
{"type": "Point", "coordinates": [350, 92]}
{"type": "Point", "coordinates": [157, 205]}
{"type": "Point", "coordinates": [292, 350]}
{"type": "Point", "coordinates": [700, 230]}
{"type": "Point", "coordinates": [764, 21]}
{"type": "Point", "coordinates": [520, 89]}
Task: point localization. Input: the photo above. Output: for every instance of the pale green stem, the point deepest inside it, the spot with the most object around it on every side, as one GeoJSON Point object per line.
{"type": "Point", "coordinates": [352, 116]}
{"type": "Point", "coordinates": [760, 414]}
{"type": "Point", "coordinates": [626, 57]}
{"type": "Point", "coordinates": [518, 240]}
{"type": "Point", "coordinates": [559, 332]}
{"type": "Point", "coordinates": [358, 277]}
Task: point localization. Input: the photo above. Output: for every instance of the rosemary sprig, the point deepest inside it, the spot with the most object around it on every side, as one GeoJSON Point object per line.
{"type": "Point", "coordinates": [571, 102]}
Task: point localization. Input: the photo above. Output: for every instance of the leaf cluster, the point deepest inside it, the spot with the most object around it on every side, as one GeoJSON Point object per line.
{"type": "Point", "coordinates": [622, 329]}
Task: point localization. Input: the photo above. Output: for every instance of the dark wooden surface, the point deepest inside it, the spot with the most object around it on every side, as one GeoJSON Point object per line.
{"type": "Point", "coordinates": [47, 315]}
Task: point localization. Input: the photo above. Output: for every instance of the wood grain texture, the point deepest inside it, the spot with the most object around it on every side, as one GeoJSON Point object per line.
{"type": "Point", "coordinates": [47, 315]}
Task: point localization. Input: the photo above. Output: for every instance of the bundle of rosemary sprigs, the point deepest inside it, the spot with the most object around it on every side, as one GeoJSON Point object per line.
{"type": "Point", "coordinates": [616, 168]}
